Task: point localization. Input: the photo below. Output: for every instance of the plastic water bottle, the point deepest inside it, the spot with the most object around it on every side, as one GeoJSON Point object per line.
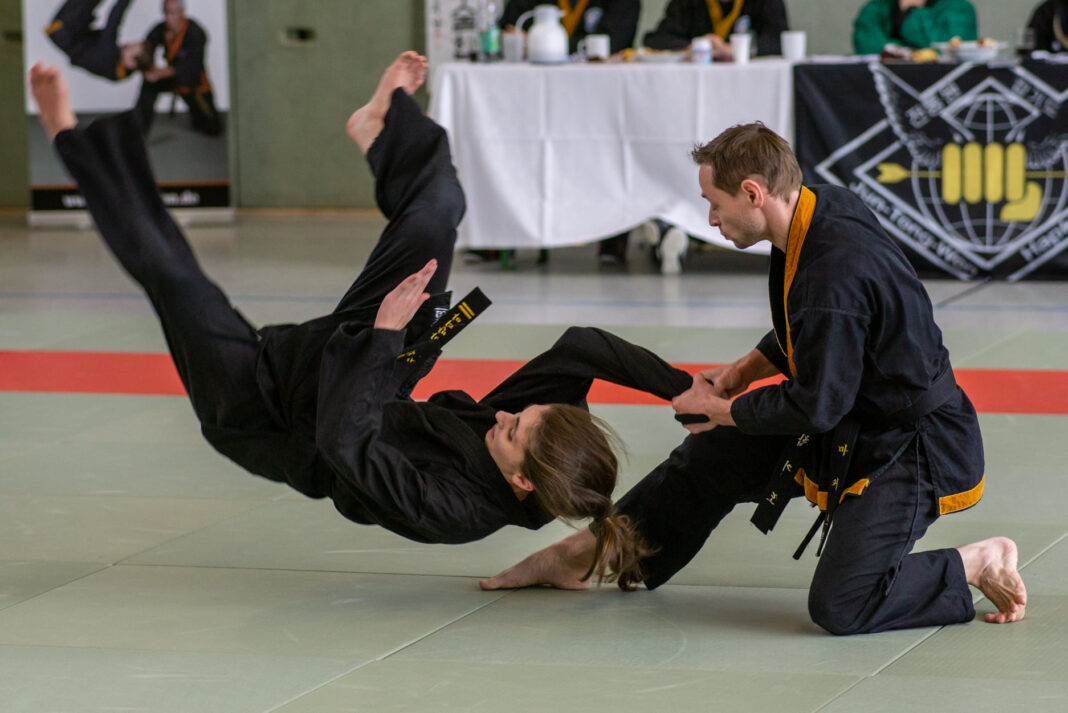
{"type": "Point", "coordinates": [701, 50]}
{"type": "Point", "coordinates": [489, 35]}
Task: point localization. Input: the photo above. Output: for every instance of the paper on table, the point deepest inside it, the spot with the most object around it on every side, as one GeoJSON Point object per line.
{"type": "Point", "coordinates": [843, 59]}
{"type": "Point", "coordinates": [1051, 57]}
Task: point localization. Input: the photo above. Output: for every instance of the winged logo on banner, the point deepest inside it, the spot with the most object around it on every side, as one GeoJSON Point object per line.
{"type": "Point", "coordinates": [944, 147]}
{"type": "Point", "coordinates": [897, 98]}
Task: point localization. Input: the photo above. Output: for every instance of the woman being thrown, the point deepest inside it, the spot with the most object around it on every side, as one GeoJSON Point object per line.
{"type": "Point", "coordinates": [96, 51]}
{"type": "Point", "coordinates": [324, 406]}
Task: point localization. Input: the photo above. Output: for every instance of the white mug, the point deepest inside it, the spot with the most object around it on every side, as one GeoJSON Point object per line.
{"type": "Point", "coordinates": [513, 45]}
{"type": "Point", "coordinates": [740, 46]}
{"type": "Point", "coordinates": [793, 45]}
{"type": "Point", "coordinates": [596, 47]}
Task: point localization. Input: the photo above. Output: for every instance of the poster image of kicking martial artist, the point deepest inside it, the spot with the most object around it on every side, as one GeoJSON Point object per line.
{"type": "Point", "coordinates": [165, 59]}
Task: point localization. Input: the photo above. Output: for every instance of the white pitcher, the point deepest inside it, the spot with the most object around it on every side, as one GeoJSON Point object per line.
{"type": "Point", "coordinates": [547, 41]}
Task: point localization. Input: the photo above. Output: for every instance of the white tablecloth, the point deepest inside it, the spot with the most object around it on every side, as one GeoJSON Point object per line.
{"type": "Point", "coordinates": [561, 155]}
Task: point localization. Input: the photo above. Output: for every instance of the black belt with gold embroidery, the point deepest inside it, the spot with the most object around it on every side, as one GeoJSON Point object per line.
{"type": "Point", "coordinates": [832, 463]}
{"type": "Point", "coordinates": [446, 327]}
{"type": "Point", "coordinates": [833, 471]}
{"type": "Point", "coordinates": [419, 357]}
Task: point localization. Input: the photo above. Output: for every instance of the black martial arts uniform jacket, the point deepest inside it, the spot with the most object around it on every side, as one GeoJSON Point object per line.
{"type": "Point", "coordinates": [685, 19]}
{"type": "Point", "coordinates": [854, 333]}
{"type": "Point", "coordinates": [616, 18]}
{"type": "Point", "coordinates": [1049, 23]}
{"type": "Point", "coordinates": [419, 469]}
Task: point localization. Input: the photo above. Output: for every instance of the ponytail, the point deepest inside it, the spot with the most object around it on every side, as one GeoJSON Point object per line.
{"type": "Point", "coordinates": [573, 466]}
{"type": "Point", "coordinates": [619, 552]}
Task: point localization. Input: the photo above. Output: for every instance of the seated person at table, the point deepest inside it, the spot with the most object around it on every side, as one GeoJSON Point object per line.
{"type": "Point", "coordinates": [912, 23]}
{"type": "Point", "coordinates": [616, 18]}
{"type": "Point", "coordinates": [717, 20]}
{"type": "Point", "coordinates": [1049, 23]}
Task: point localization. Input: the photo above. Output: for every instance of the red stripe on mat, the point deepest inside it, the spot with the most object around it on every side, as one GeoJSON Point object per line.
{"type": "Point", "coordinates": [991, 390]}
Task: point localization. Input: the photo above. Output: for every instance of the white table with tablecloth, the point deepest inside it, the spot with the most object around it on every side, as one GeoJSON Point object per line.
{"type": "Point", "coordinates": [562, 155]}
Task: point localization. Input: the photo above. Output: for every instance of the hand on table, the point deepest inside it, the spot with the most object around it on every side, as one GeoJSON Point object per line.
{"type": "Point", "coordinates": [721, 49]}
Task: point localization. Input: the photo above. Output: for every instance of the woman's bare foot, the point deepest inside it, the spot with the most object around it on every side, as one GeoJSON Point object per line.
{"type": "Point", "coordinates": [408, 72]}
{"type": "Point", "coordinates": [990, 565]}
{"type": "Point", "coordinates": [53, 98]}
{"type": "Point", "coordinates": [561, 565]}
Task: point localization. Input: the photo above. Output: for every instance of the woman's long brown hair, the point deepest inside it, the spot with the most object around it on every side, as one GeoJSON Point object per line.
{"type": "Point", "coordinates": [573, 466]}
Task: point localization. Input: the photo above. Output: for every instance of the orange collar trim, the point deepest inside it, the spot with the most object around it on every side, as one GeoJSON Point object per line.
{"type": "Point", "coordinates": [572, 15]}
{"type": "Point", "coordinates": [806, 206]}
{"type": "Point", "coordinates": [722, 25]}
{"type": "Point", "coordinates": [176, 44]}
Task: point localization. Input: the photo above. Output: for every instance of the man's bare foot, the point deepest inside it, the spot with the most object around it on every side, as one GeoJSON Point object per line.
{"type": "Point", "coordinates": [990, 565]}
{"type": "Point", "coordinates": [408, 72]}
{"type": "Point", "coordinates": [561, 565]}
{"type": "Point", "coordinates": [53, 98]}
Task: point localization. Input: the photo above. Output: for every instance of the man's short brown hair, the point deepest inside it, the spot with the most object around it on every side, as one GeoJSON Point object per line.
{"type": "Point", "coordinates": [747, 150]}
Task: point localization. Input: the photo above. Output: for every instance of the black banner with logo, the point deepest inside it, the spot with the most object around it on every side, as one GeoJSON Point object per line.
{"type": "Point", "coordinates": [965, 164]}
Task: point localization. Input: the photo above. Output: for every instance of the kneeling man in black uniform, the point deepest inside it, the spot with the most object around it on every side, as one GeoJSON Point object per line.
{"type": "Point", "coordinates": [869, 424]}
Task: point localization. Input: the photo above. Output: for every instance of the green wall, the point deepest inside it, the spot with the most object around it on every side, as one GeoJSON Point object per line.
{"type": "Point", "coordinates": [291, 101]}
{"type": "Point", "coordinates": [288, 145]}
{"type": "Point", "coordinates": [14, 163]}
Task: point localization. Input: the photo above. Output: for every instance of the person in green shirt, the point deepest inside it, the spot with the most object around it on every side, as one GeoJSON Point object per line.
{"type": "Point", "coordinates": [912, 23]}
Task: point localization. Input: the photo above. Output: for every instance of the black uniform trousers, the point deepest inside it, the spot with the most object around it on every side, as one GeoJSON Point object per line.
{"type": "Point", "coordinates": [214, 348]}
{"type": "Point", "coordinates": [866, 581]}
{"type": "Point", "coordinates": [94, 50]}
{"type": "Point", "coordinates": [201, 105]}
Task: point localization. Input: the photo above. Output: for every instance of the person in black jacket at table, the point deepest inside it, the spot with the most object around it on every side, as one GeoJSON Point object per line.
{"type": "Point", "coordinates": [1049, 24]}
{"type": "Point", "coordinates": [324, 406]}
{"type": "Point", "coordinates": [718, 19]}
{"type": "Point", "coordinates": [96, 51]}
{"type": "Point", "coordinates": [616, 18]}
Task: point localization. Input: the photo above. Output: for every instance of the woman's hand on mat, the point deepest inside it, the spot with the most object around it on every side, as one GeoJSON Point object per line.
{"type": "Point", "coordinates": [401, 304]}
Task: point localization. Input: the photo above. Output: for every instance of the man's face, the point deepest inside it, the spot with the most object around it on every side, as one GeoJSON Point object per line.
{"type": "Point", "coordinates": [737, 218]}
{"type": "Point", "coordinates": [173, 14]}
